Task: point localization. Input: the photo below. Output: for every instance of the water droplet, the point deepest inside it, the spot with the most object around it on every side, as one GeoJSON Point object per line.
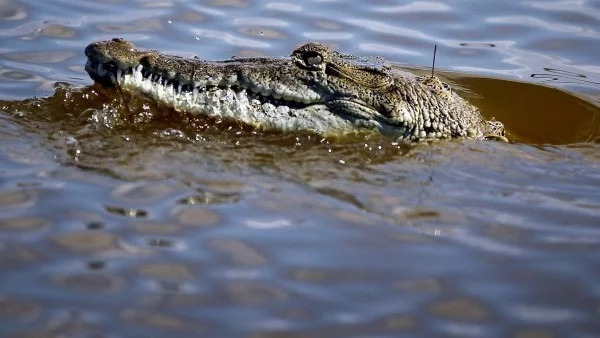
{"type": "Point", "coordinates": [71, 141]}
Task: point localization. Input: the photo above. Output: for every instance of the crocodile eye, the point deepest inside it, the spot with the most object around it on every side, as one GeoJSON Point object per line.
{"type": "Point", "coordinates": [313, 58]}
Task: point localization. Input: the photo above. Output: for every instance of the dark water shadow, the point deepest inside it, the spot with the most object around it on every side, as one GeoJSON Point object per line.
{"type": "Point", "coordinates": [532, 113]}
{"type": "Point", "coordinates": [536, 114]}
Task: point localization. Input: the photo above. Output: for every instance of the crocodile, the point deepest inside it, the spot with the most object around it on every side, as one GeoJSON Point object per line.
{"type": "Point", "coordinates": [315, 89]}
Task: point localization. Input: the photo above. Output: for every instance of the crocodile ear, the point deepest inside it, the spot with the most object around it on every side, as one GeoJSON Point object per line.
{"type": "Point", "coordinates": [436, 85]}
{"type": "Point", "coordinates": [363, 75]}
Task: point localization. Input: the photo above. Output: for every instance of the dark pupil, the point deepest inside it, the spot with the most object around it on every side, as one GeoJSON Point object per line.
{"type": "Point", "coordinates": [313, 58]}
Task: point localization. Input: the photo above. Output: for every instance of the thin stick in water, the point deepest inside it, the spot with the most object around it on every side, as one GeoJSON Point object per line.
{"type": "Point", "coordinates": [433, 65]}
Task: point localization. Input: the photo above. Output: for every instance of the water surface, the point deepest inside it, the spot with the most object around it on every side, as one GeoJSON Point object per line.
{"type": "Point", "coordinates": [164, 224]}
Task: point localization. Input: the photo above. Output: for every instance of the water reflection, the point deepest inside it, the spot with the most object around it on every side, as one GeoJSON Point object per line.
{"type": "Point", "coordinates": [560, 76]}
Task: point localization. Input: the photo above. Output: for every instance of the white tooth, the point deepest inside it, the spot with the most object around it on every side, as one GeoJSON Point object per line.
{"type": "Point", "coordinates": [180, 87]}
{"type": "Point", "coordinates": [195, 92]}
{"type": "Point", "coordinates": [112, 79]}
{"type": "Point", "coordinates": [139, 68]}
{"type": "Point", "coordinates": [119, 74]}
{"type": "Point", "coordinates": [100, 69]}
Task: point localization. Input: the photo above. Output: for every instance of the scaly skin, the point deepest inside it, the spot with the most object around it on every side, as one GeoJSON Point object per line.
{"type": "Point", "coordinates": [314, 89]}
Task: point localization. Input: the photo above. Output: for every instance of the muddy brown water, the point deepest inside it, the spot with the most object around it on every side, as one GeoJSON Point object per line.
{"type": "Point", "coordinates": [151, 223]}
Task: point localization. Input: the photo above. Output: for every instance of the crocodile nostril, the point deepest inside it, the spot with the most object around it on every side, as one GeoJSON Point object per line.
{"type": "Point", "coordinates": [144, 61]}
{"type": "Point", "coordinates": [90, 49]}
{"type": "Point", "coordinates": [117, 40]}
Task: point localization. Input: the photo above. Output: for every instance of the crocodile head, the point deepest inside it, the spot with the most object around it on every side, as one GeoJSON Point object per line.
{"type": "Point", "coordinates": [314, 89]}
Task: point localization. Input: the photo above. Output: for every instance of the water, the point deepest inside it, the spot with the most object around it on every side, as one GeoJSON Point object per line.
{"type": "Point", "coordinates": [163, 224]}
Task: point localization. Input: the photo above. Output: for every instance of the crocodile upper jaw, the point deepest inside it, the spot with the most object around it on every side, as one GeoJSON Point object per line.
{"type": "Point", "coordinates": [231, 100]}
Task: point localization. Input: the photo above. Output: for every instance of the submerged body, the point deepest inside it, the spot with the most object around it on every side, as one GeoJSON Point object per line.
{"type": "Point", "coordinates": [315, 89]}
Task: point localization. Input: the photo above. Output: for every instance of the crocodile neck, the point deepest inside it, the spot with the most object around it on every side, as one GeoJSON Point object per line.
{"type": "Point", "coordinates": [315, 89]}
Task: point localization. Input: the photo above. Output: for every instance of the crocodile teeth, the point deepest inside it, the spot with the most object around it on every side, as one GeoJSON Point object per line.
{"type": "Point", "coordinates": [274, 94]}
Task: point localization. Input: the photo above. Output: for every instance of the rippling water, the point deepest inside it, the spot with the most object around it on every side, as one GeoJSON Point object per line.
{"type": "Point", "coordinates": [173, 225]}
